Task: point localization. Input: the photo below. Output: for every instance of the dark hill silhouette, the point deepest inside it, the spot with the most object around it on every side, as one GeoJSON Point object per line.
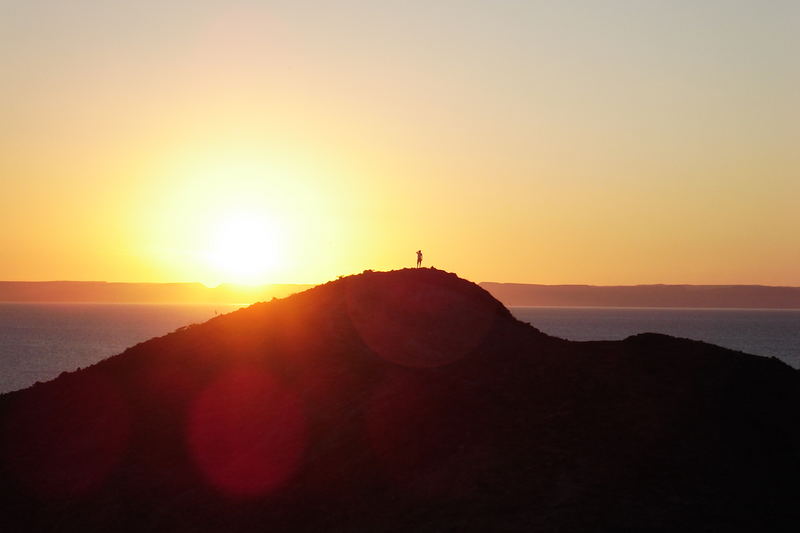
{"type": "Point", "coordinates": [397, 401]}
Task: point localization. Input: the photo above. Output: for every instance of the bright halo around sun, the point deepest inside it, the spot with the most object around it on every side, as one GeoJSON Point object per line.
{"type": "Point", "coordinates": [245, 248]}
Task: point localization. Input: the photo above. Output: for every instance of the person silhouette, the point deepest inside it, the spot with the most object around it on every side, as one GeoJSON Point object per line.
{"type": "Point", "coordinates": [419, 258]}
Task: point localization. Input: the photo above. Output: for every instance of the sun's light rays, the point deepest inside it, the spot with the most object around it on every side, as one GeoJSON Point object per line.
{"type": "Point", "coordinates": [241, 216]}
{"type": "Point", "coordinates": [245, 247]}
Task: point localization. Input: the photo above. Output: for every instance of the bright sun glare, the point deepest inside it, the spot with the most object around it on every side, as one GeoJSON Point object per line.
{"type": "Point", "coordinates": [245, 248]}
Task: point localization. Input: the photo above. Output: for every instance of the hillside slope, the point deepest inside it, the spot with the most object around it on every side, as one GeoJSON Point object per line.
{"type": "Point", "coordinates": [396, 401]}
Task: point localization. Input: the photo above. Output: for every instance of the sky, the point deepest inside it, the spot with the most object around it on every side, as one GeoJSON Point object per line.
{"type": "Point", "coordinates": [601, 142]}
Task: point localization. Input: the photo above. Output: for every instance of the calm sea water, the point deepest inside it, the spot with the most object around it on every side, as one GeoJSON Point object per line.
{"type": "Point", "coordinates": [39, 341]}
{"type": "Point", "coordinates": [769, 332]}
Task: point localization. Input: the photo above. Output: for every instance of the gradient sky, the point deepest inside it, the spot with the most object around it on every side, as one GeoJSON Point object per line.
{"type": "Point", "coordinates": [606, 142]}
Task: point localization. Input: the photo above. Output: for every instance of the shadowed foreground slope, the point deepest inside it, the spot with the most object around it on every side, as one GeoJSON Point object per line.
{"type": "Point", "coordinates": [407, 400]}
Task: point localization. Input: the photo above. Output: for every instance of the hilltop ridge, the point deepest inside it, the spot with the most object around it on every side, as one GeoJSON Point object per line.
{"type": "Point", "coordinates": [403, 400]}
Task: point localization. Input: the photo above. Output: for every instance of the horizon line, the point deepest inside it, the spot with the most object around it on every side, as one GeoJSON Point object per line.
{"type": "Point", "coordinates": [271, 283]}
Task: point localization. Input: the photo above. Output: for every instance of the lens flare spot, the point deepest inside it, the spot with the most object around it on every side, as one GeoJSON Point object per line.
{"type": "Point", "coordinates": [246, 433]}
{"type": "Point", "coordinates": [415, 323]}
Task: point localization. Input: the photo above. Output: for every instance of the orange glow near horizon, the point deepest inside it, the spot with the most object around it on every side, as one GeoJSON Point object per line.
{"type": "Point", "coordinates": [235, 216]}
{"type": "Point", "coordinates": [530, 142]}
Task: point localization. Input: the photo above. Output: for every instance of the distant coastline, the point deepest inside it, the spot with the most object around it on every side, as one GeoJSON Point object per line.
{"type": "Point", "coordinates": [689, 296]}
{"type": "Point", "coordinates": [510, 294]}
{"type": "Point", "coordinates": [163, 293]}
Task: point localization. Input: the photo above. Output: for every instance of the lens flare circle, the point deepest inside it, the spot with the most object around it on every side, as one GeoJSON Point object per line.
{"type": "Point", "coordinates": [407, 319]}
{"type": "Point", "coordinates": [246, 433]}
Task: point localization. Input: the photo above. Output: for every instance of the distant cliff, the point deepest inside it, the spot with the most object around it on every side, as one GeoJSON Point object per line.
{"type": "Point", "coordinates": [719, 296]}
{"type": "Point", "coordinates": [403, 401]}
{"type": "Point", "coordinates": [104, 292]}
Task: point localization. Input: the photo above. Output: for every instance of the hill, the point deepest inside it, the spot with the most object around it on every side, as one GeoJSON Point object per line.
{"type": "Point", "coordinates": [716, 296]}
{"type": "Point", "coordinates": [397, 401]}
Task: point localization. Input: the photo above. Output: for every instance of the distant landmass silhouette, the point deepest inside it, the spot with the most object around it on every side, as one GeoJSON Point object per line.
{"type": "Point", "coordinates": [511, 294]}
{"type": "Point", "coordinates": [105, 292]}
{"type": "Point", "coordinates": [715, 296]}
{"type": "Point", "coordinates": [409, 400]}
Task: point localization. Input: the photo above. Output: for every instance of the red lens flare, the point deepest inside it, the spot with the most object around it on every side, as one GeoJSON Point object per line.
{"type": "Point", "coordinates": [417, 324]}
{"type": "Point", "coordinates": [246, 433]}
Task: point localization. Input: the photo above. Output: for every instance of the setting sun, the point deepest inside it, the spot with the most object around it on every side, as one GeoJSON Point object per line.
{"type": "Point", "coordinates": [218, 213]}
{"type": "Point", "coordinates": [398, 266]}
{"type": "Point", "coordinates": [245, 248]}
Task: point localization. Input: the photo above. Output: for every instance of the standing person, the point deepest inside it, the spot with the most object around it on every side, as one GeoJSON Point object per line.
{"type": "Point", "coordinates": [419, 258]}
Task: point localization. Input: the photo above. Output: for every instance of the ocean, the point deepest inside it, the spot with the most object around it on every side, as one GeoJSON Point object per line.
{"type": "Point", "coordinates": [39, 341]}
{"type": "Point", "coordinates": [767, 332]}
